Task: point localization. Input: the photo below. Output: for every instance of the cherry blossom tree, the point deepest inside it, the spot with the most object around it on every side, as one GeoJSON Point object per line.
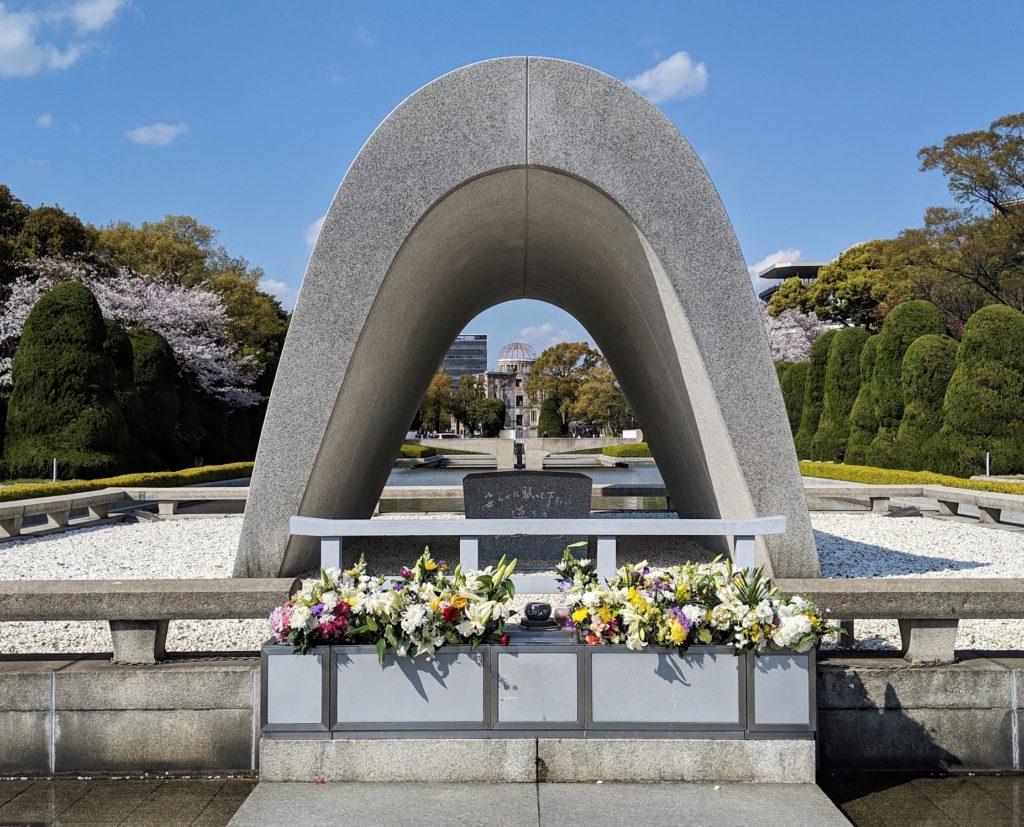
{"type": "Point", "coordinates": [791, 333]}
{"type": "Point", "coordinates": [192, 320]}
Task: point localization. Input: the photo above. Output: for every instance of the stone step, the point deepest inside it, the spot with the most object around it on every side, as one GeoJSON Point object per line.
{"type": "Point", "coordinates": [522, 805]}
{"type": "Point", "coordinates": [528, 759]}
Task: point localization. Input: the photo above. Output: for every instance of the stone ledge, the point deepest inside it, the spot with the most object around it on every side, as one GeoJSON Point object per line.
{"type": "Point", "coordinates": [545, 759]}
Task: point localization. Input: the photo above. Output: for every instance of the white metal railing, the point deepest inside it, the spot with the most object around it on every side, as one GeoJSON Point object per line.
{"type": "Point", "coordinates": [332, 534]}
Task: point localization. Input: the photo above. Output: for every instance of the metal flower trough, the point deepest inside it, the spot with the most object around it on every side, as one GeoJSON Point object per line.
{"type": "Point", "coordinates": [539, 683]}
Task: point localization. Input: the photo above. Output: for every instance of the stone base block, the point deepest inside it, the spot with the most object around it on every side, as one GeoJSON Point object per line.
{"type": "Point", "coordinates": [400, 759]}
{"type": "Point", "coordinates": [545, 759]}
{"type": "Point", "coordinates": [684, 759]}
{"type": "Point", "coordinates": [928, 641]}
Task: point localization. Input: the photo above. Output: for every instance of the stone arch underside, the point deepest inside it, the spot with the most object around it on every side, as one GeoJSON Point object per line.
{"type": "Point", "coordinates": [524, 178]}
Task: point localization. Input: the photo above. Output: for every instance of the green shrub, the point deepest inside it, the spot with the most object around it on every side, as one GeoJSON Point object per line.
{"type": "Point", "coordinates": [781, 368]}
{"type": "Point", "coordinates": [906, 322]}
{"type": "Point", "coordinates": [631, 449]}
{"type": "Point", "coordinates": [3, 429]}
{"type": "Point", "coordinates": [814, 393]}
{"type": "Point", "coordinates": [793, 383]}
{"type": "Point", "coordinates": [984, 405]}
{"type": "Point", "coordinates": [927, 368]}
{"type": "Point", "coordinates": [550, 422]}
{"type": "Point", "coordinates": [892, 476]}
{"type": "Point", "coordinates": [63, 404]}
{"type": "Point", "coordinates": [156, 479]}
{"type": "Point", "coordinates": [118, 347]}
{"type": "Point", "coordinates": [842, 383]}
{"type": "Point", "coordinates": [408, 451]}
{"type": "Point", "coordinates": [863, 419]}
{"type": "Point", "coordinates": [155, 404]}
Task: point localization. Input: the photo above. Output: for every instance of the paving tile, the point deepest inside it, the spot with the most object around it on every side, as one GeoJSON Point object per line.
{"type": "Point", "coordinates": [9, 789]}
{"type": "Point", "coordinates": [176, 800]}
{"type": "Point", "coordinates": [44, 800]}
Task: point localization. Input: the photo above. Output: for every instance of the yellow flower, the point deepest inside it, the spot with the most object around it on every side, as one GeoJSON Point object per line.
{"type": "Point", "coordinates": [430, 565]}
{"type": "Point", "coordinates": [683, 592]}
{"type": "Point", "coordinates": [704, 636]}
{"type": "Point", "coordinates": [605, 614]}
{"type": "Point", "coordinates": [677, 634]}
{"type": "Point", "coordinates": [459, 602]}
{"type": "Point", "coordinates": [435, 603]}
{"type": "Point", "coordinates": [579, 615]}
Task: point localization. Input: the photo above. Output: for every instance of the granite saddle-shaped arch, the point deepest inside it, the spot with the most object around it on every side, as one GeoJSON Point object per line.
{"type": "Point", "coordinates": [524, 178]}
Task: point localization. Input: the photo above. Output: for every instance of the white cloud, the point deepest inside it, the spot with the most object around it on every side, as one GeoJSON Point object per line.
{"type": "Point", "coordinates": [363, 36]}
{"type": "Point", "coordinates": [93, 15]}
{"type": "Point", "coordinates": [778, 257]}
{"type": "Point", "coordinates": [285, 293]}
{"type": "Point", "coordinates": [44, 120]}
{"type": "Point", "coordinates": [313, 230]}
{"type": "Point", "coordinates": [28, 38]}
{"type": "Point", "coordinates": [157, 134]}
{"type": "Point", "coordinates": [545, 335]}
{"type": "Point", "coordinates": [337, 80]}
{"type": "Point", "coordinates": [677, 76]}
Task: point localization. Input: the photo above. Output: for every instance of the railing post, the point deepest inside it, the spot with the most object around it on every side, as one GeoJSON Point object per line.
{"type": "Point", "coordinates": [469, 553]}
{"type": "Point", "coordinates": [744, 552]}
{"type": "Point", "coordinates": [330, 553]}
{"type": "Point", "coordinates": [606, 563]}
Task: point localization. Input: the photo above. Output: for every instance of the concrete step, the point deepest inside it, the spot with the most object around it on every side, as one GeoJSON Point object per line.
{"type": "Point", "coordinates": [522, 805]}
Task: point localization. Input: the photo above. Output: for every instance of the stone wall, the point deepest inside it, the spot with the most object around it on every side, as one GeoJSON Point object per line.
{"type": "Point", "coordinates": [879, 713]}
{"type": "Point", "coordinates": [85, 715]}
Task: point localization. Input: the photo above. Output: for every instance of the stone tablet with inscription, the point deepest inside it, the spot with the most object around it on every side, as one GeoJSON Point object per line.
{"type": "Point", "coordinates": [509, 495]}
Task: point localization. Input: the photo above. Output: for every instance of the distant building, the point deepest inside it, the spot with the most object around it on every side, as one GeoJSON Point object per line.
{"type": "Point", "coordinates": [467, 355]}
{"type": "Point", "coordinates": [508, 383]}
{"type": "Point", "coordinates": [806, 271]}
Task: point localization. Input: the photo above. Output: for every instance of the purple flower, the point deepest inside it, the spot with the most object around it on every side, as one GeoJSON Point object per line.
{"type": "Point", "coordinates": [317, 610]}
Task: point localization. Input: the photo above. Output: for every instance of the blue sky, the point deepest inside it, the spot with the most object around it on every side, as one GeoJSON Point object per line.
{"type": "Point", "coordinates": [246, 115]}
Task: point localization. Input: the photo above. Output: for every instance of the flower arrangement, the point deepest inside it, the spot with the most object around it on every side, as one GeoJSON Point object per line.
{"type": "Point", "coordinates": [413, 615]}
{"type": "Point", "coordinates": [706, 603]}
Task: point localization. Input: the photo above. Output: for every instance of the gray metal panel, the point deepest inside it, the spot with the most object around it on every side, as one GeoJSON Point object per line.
{"type": "Point", "coordinates": [782, 695]}
{"type": "Point", "coordinates": [538, 687]}
{"type": "Point", "coordinates": [294, 692]}
{"type": "Point", "coordinates": [449, 688]}
{"type": "Point", "coordinates": [661, 687]}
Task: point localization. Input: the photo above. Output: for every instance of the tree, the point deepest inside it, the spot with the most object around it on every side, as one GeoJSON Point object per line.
{"type": "Point", "coordinates": [12, 218]}
{"type": "Point", "coordinates": [858, 288]}
{"type": "Point", "coordinates": [601, 401]}
{"type": "Point", "coordinates": [550, 423]}
{"type": "Point", "coordinates": [462, 403]}
{"type": "Point", "coordinates": [176, 249]}
{"type": "Point", "coordinates": [983, 252]}
{"type": "Point", "coordinates": [489, 414]}
{"type": "Point", "coordinates": [156, 402]}
{"type": "Point", "coordinates": [49, 231]}
{"type": "Point", "coordinates": [436, 409]}
{"type": "Point", "coordinates": [192, 320]}
{"type": "Point", "coordinates": [560, 371]}
{"type": "Point", "coordinates": [63, 405]}
{"type": "Point", "coordinates": [983, 409]}
{"type": "Point", "coordinates": [842, 383]}
{"type": "Point", "coordinates": [814, 393]}
{"type": "Point", "coordinates": [927, 368]}
{"type": "Point", "coordinates": [902, 326]}
{"type": "Point", "coordinates": [863, 415]}
{"type": "Point", "coordinates": [791, 333]}
{"type": "Point", "coordinates": [794, 380]}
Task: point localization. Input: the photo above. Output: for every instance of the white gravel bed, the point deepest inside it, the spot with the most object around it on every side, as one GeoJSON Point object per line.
{"type": "Point", "coordinates": [873, 545]}
{"type": "Point", "coordinates": [850, 545]}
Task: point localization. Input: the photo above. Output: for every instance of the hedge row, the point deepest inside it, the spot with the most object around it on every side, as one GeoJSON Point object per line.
{"type": "Point", "coordinates": [892, 476]}
{"type": "Point", "coordinates": [632, 449]}
{"type": "Point", "coordinates": [408, 451]}
{"type": "Point", "coordinates": [155, 479]}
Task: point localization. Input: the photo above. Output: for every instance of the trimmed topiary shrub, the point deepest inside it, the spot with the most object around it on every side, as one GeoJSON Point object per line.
{"type": "Point", "coordinates": [907, 322]}
{"type": "Point", "coordinates": [814, 393]}
{"type": "Point", "coordinates": [890, 476]}
{"type": "Point", "coordinates": [984, 405]}
{"type": "Point", "coordinates": [416, 451]}
{"type": "Point", "coordinates": [632, 449]}
{"type": "Point", "coordinates": [927, 368]}
{"type": "Point", "coordinates": [781, 368]}
{"type": "Point", "coordinates": [154, 403]}
{"type": "Point", "coordinates": [842, 383]}
{"type": "Point", "coordinates": [550, 422]}
{"type": "Point", "coordinates": [863, 419]}
{"type": "Point", "coordinates": [63, 404]}
{"type": "Point", "coordinates": [793, 382]}
{"type": "Point", "coordinates": [118, 347]}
